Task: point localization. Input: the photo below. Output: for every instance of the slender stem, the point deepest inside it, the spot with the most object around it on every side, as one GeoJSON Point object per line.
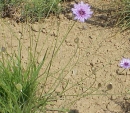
{"type": "Point", "coordinates": [64, 38]}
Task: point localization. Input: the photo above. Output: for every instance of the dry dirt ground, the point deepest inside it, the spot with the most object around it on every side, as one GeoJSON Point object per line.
{"type": "Point", "coordinates": [95, 65]}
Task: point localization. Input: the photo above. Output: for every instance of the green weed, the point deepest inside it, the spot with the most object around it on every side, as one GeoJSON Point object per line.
{"type": "Point", "coordinates": [38, 9]}
{"type": "Point", "coordinates": [32, 10]}
{"type": "Point", "coordinates": [124, 14]}
{"type": "Point", "coordinates": [20, 83]}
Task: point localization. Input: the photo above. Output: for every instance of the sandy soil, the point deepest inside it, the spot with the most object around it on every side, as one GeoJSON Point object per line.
{"type": "Point", "coordinates": [99, 49]}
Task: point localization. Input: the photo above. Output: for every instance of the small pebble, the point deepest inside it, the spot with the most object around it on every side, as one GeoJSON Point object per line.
{"type": "Point", "coordinates": [74, 72]}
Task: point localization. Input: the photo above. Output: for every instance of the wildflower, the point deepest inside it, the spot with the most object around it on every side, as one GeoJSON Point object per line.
{"type": "Point", "coordinates": [125, 63]}
{"type": "Point", "coordinates": [81, 11]}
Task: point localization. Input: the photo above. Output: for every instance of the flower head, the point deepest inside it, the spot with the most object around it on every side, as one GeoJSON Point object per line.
{"type": "Point", "coordinates": [81, 11]}
{"type": "Point", "coordinates": [125, 63]}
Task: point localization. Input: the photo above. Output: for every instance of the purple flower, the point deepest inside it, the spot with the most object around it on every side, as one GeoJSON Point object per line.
{"type": "Point", "coordinates": [81, 11]}
{"type": "Point", "coordinates": [125, 63]}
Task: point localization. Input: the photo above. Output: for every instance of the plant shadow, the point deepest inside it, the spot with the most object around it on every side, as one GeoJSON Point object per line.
{"type": "Point", "coordinates": [103, 17]}
{"type": "Point", "coordinates": [73, 111]}
{"type": "Point", "coordinates": [123, 103]}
